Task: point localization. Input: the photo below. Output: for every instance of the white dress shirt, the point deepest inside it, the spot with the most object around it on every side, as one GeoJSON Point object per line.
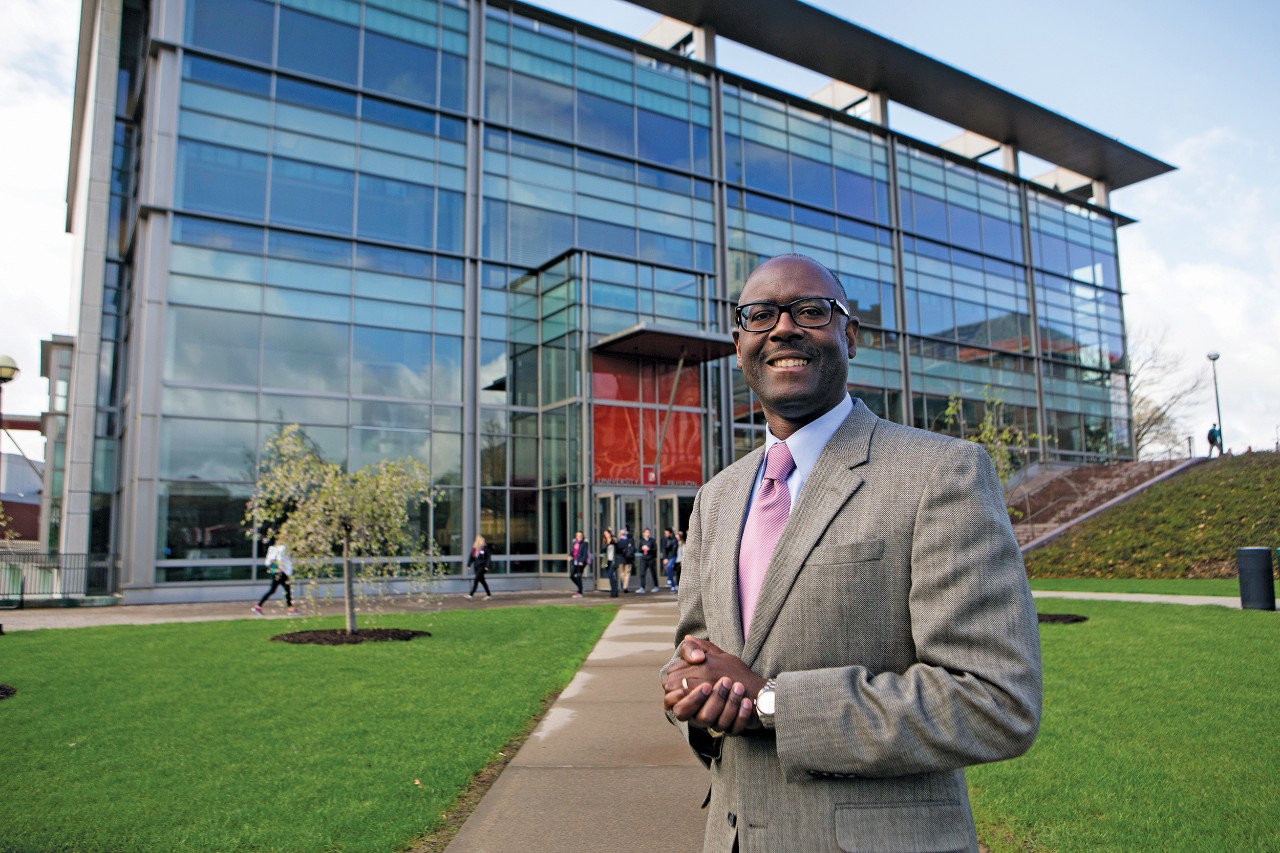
{"type": "Point", "coordinates": [806, 445]}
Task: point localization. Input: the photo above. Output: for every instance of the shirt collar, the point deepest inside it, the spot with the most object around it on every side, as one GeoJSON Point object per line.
{"type": "Point", "coordinates": [807, 443]}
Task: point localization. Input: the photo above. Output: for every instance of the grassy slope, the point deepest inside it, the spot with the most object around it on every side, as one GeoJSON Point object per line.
{"type": "Point", "coordinates": [1186, 527]}
{"type": "Point", "coordinates": [208, 737]}
{"type": "Point", "coordinates": [1159, 733]}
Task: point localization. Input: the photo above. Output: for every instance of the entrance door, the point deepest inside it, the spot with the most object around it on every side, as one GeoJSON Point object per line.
{"type": "Point", "coordinates": [674, 512]}
{"type": "Point", "coordinates": [604, 519]}
{"type": "Point", "coordinates": [634, 511]}
{"type": "Point", "coordinates": [631, 515]}
{"type": "Point", "coordinates": [618, 511]}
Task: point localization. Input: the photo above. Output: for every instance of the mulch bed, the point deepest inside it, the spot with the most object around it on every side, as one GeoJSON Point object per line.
{"type": "Point", "coordinates": [6, 691]}
{"type": "Point", "coordinates": [340, 637]}
{"type": "Point", "coordinates": [1062, 618]}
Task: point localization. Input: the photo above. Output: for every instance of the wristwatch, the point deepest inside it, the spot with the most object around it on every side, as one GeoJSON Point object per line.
{"type": "Point", "coordinates": [765, 703]}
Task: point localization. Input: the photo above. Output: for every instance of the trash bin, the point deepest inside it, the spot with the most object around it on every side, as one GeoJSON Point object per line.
{"type": "Point", "coordinates": [1257, 585]}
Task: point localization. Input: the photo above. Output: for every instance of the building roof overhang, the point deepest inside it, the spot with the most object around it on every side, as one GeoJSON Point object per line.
{"type": "Point", "coordinates": [822, 42]}
{"type": "Point", "coordinates": [666, 343]}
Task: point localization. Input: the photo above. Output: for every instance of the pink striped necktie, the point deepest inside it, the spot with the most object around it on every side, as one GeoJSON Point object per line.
{"type": "Point", "coordinates": [767, 517]}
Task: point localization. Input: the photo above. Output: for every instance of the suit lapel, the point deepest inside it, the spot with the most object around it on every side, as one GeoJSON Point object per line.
{"type": "Point", "coordinates": [831, 484]}
{"type": "Point", "coordinates": [724, 556]}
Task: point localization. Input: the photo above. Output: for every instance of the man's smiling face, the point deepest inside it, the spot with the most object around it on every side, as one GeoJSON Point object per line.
{"type": "Point", "coordinates": [798, 373]}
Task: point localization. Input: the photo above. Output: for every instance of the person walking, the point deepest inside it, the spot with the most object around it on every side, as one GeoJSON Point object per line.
{"type": "Point", "coordinates": [1215, 440]}
{"type": "Point", "coordinates": [280, 566]}
{"type": "Point", "coordinates": [669, 548]}
{"type": "Point", "coordinates": [610, 554]}
{"type": "Point", "coordinates": [626, 552]}
{"type": "Point", "coordinates": [646, 560]}
{"type": "Point", "coordinates": [479, 563]}
{"type": "Point", "coordinates": [579, 561]}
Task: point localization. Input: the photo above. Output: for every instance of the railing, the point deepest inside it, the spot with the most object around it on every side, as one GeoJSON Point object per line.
{"type": "Point", "coordinates": [25, 577]}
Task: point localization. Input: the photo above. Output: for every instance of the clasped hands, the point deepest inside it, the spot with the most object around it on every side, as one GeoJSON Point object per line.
{"type": "Point", "coordinates": [711, 689]}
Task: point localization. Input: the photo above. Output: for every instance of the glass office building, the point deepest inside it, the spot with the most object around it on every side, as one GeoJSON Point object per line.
{"type": "Point", "coordinates": [506, 243]}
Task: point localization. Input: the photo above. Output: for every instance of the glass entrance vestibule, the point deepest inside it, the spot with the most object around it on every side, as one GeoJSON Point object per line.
{"type": "Point", "coordinates": [628, 392]}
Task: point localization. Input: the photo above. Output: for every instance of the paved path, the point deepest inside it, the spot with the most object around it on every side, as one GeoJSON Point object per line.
{"type": "Point", "coordinates": [1144, 598]}
{"type": "Point", "coordinates": [604, 771]}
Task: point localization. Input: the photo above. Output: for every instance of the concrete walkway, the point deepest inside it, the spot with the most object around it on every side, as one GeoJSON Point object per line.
{"type": "Point", "coordinates": [1143, 598]}
{"type": "Point", "coordinates": [603, 771]}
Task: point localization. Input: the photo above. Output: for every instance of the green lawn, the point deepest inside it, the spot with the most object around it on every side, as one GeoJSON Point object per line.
{"type": "Point", "coordinates": [1159, 733]}
{"type": "Point", "coordinates": [1227, 587]}
{"type": "Point", "coordinates": [206, 736]}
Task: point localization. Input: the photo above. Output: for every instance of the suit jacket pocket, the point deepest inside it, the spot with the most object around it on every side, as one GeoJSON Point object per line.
{"type": "Point", "coordinates": [936, 826]}
{"type": "Point", "coordinates": [852, 552]}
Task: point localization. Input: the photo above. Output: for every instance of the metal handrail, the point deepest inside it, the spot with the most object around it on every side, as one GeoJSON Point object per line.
{"type": "Point", "coordinates": [28, 576]}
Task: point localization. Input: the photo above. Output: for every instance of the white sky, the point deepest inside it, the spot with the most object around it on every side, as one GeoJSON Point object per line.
{"type": "Point", "coordinates": [1190, 83]}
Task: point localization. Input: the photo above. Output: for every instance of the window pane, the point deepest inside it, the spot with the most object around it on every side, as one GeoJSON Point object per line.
{"type": "Point", "coordinates": [446, 368]}
{"type": "Point", "coordinates": [966, 229]}
{"type": "Point", "coordinates": [311, 196]}
{"type": "Point", "coordinates": [537, 236]}
{"type": "Point", "coordinates": [392, 364]}
{"type": "Point", "coordinates": [450, 212]}
{"type": "Point", "coordinates": [318, 46]}
{"type": "Point", "coordinates": [238, 27]}
{"type": "Point", "coordinates": [396, 211]}
{"type": "Point", "coordinates": [371, 446]}
{"type": "Point", "coordinates": [855, 195]}
{"type": "Point", "coordinates": [606, 237]}
{"type": "Point", "coordinates": [605, 123]}
{"type": "Point", "coordinates": [542, 106]}
{"type": "Point", "coordinates": [212, 451]}
{"type": "Point", "coordinates": [305, 354]}
{"type": "Point", "coordinates": [766, 167]}
{"type": "Point", "coordinates": [202, 521]}
{"type": "Point", "coordinates": [812, 182]}
{"type": "Point", "coordinates": [215, 179]}
{"type": "Point", "coordinates": [216, 347]}
{"type": "Point", "coordinates": [453, 81]}
{"type": "Point", "coordinates": [664, 140]}
{"type": "Point", "coordinates": [446, 458]}
{"type": "Point", "coordinates": [399, 68]}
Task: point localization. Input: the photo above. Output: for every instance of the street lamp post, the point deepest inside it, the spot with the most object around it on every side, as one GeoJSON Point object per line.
{"type": "Point", "coordinates": [8, 370]}
{"type": "Point", "coordinates": [1213, 361]}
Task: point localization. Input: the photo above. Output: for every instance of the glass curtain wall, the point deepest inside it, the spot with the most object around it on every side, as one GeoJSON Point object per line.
{"type": "Point", "coordinates": [319, 271]}
{"type": "Point", "coordinates": [317, 179]}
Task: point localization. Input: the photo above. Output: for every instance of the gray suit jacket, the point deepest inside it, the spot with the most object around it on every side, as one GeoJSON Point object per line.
{"type": "Point", "coordinates": [897, 619]}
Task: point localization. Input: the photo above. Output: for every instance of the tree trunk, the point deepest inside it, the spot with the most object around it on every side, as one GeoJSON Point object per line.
{"type": "Point", "coordinates": [348, 587]}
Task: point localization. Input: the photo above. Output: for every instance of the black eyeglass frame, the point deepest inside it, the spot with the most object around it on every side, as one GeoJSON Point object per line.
{"type": "Point", "coordinates": [835, 303]}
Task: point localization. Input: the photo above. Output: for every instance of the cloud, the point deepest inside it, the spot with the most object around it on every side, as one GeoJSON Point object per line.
{"type": "Point", "coordinates": [1203, 266]}
{"type": "Point", "coordinates": [37, 68]}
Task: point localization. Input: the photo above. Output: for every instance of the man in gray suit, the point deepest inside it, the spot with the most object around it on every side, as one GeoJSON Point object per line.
{"type": "Point", "coordinates": [892, 638]}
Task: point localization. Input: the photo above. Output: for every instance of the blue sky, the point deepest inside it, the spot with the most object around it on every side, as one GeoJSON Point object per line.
{"type": "Point", "coordinates": [1189, 83]}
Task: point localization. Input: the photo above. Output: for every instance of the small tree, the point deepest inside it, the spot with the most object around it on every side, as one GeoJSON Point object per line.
{"type": "Point", "coordinates": [1005, 442]}
{"type": "Point", "coordinates": [7, 532]}
{"type": "Point", "coordinates": [317, 510]}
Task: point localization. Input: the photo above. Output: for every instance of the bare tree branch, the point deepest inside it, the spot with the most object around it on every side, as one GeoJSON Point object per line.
{"type": "Point", "coordinates": [1160, 388]}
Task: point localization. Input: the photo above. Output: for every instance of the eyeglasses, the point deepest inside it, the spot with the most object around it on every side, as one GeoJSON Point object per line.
{"type": "Point", "coordinates": [812, 312]}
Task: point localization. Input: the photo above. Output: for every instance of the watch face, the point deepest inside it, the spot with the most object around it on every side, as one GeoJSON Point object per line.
{"type": "Point", "coordinates": [764, 702]}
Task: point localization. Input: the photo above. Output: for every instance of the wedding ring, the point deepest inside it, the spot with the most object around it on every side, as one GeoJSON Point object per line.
{"type": "Point", "coordinates": [684, 682]}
